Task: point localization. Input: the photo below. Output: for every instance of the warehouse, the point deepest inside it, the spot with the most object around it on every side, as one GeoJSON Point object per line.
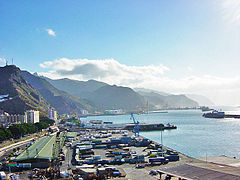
{"type": "Point", "coordinates": [41, 153]}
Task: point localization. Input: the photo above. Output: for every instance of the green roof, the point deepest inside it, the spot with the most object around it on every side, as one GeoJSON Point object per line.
{"type": "Point", "coordinates": [42, 149]}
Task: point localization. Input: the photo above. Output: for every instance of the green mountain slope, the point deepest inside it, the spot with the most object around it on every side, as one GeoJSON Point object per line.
{"type": "Point", "coordinates": [117, 97]}
{"type": "Point", "coordinates": [60, 100]}
{"type": "Point", "coordinates": [81, 89]}
{"type": "Point", "coordinates": [22, 97]}
{"type": "Point", "coordinates": [104, 96]}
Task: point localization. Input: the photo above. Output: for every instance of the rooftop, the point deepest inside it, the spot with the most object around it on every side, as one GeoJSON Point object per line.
{"type": "Point", "coordinates": [42, 149]}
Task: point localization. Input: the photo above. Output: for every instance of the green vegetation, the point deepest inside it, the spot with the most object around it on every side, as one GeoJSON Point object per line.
{"type": "Point", "coordinates": [24, 97]}
{"type": "Point", "coordinates": [60, 100]}
{"type": "Point", "coordinates": [19, 130]}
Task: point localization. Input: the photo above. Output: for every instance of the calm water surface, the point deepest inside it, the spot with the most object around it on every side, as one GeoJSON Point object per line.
{"type": "Point", "coordinates": [195, 136]}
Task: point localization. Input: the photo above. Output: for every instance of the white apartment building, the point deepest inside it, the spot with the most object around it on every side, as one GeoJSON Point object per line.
{"type": "Point", "coordinates": [31, 116]}
{"type": "Point", "coordinates": [52, 114]}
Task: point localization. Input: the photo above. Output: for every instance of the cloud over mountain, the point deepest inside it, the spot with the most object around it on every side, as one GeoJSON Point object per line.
{"type": "Point", "coordinates": [220, 90]}
{"type": "Point", "coordinates": [108, 70]}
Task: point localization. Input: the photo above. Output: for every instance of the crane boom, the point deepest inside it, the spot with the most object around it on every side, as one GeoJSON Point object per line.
{"type": "Point", "coordinates": [136, 127]}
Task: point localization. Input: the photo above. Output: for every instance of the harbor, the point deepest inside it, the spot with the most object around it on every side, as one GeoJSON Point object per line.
{"type": "Point", "coordinates": [94, 151]}
{"type": "Point", "coordinates": [104, 154]}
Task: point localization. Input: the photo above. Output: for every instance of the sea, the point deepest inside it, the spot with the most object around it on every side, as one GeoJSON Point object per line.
{"type": "Point", "coordinates": [195, 135]}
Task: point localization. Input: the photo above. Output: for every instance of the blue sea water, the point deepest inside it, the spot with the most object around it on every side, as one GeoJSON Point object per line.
{"type": "Point", "coordinates": [195, 135]}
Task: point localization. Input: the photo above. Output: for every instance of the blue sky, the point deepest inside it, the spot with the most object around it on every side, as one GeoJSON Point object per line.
{"type": "Point", "coordinates": [184, 39]}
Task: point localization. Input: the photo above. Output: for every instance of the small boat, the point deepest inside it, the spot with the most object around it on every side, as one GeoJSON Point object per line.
{"type": "Point", "coordinates": [170, 126]}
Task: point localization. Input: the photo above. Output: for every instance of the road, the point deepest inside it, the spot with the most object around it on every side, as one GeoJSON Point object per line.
{"type": "Point", "coordinates": [68, 158]}
{"type": "Point", "coordinates": [4, 154]}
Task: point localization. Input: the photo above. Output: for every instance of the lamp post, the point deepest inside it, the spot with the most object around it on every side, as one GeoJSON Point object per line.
{"type": "Point", "coordinates": [162, 141]}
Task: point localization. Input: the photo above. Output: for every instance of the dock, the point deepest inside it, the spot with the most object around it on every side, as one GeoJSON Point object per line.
{"type": "Point", "coordinates": [150, 127]}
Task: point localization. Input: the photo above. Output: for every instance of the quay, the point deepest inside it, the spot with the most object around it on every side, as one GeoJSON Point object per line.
{"type": "Point", "coordinates": [150, 127]}
{"type": "Point", "coordinates": [114, 153]}
{"type": "Point", "coordinates": [232, 116]}
{"type": "Point", "coordinates": [128, 126]}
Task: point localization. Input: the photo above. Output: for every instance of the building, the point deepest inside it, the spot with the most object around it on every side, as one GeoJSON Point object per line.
{"type": "Point", "coordinates": [15, 119]}
{"type": "Point", "coordinates": [8, 119]}
{"type": "Point", "coordinates": [113, 111]}
{"type": "Point", "coordinates": [31, 116]}
{"type": "Point", "coordinates": [52, 113]}
{"type": "Point", "coordinates": [43, 151]}
{"type": "Point", "coordinates": [3, 118]}
{"type": "Point", "coordinates": [84, 112]}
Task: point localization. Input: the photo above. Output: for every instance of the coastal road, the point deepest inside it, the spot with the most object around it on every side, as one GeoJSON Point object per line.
{"type": "Point", "coordinates": [4, 154]}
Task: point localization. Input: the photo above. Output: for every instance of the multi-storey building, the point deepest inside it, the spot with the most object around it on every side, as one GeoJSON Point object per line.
{"type": "Point", "coordinates": [7, 119]}
{"type": "Point", "coordinates": [52, 113]}
{"type": "Point", "coordinates": [31, 116]}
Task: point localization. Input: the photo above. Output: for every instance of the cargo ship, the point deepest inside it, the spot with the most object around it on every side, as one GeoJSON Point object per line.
{"type": "Point", "coordinates": [214, 114]}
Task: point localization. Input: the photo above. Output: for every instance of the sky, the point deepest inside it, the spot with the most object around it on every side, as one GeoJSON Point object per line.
{"type": "Point", "coordinates": [177, 46]}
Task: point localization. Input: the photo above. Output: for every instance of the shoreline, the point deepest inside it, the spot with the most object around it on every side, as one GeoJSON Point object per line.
{"type": "Point", "coordinates": [220, 160]}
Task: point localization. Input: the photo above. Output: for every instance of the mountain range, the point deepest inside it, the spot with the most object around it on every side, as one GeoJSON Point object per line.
{"type": "Point", "coordinates": [202, 100]}
{"type": "Point", "coordinates": [158, 101]}
{"type": "Point", "coordinates": [102, 95]}
{"type": "Point", "coordinates": [60, 100]}
{"type": "Point", "coordinates": [106, 96]}
{"type": "Point", "coordinates": [30, 91]}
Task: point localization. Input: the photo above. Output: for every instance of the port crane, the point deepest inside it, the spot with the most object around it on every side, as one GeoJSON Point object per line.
{"type": "Point", "coordinates": [136, 127]}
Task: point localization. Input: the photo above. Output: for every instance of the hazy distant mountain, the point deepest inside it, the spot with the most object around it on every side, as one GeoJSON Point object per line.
{"type": "Point", "coordinates": [104, 96]}
{"type": "Point", "coordinates": [150, 90]}
{"type": "Point", "coordinates": [60, 100]}
{"type": "Point", "coordinates": [22, 96]}
{"type": "Point", "coordinates": [76, 88]}
{"type": "Point", "coordinates": [202, 100]}
{"type": "Point", "coordinates": [158, 101]}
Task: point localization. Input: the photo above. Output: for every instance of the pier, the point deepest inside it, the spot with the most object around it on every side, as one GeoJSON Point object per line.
{"type": "Point", "coordinates": [150, 127]}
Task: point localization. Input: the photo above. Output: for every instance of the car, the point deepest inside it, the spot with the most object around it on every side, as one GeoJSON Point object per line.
{"type": "Point", "coordinates": [153, 172]}
{"type": "Point", "coordinates": [116, 173]}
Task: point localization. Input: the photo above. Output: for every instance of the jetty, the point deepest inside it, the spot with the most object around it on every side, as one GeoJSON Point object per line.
{"type": "Point", "coordinates": [150, 127]}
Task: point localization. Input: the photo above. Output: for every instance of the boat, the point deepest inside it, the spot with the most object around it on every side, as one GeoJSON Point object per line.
{"type": "Point", "coordinates": [170, 126]}
{"type": "Point", "coordinates": [214, 114]}
{"type": "Point", "coordinates": [158, 111]}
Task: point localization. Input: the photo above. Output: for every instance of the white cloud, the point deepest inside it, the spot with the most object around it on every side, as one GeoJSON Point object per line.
{"type": "Point", "coordinates": [231, 10]}
{"type": "Point", "coordinates": [51, 32]}
{"type": "Point", "coordinates": [108, 69]}
{"type": "Point", "coordinates": [2, 60]}
{"type": "Point", "coordinates": [222, 91]}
